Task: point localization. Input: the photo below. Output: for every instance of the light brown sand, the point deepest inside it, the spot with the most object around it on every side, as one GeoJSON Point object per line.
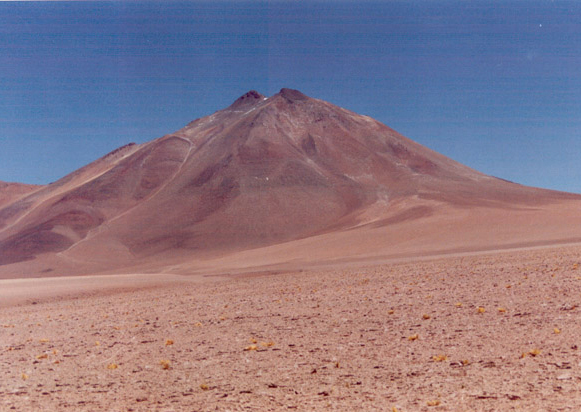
{"type": "Point", "coordinates": [330, 340]}
{"type": "Point", "coordinates": [39, 290]}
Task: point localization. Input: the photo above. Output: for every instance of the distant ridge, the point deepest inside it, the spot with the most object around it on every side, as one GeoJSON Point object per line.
{"type": "Point", "coordinates": [9, 191]}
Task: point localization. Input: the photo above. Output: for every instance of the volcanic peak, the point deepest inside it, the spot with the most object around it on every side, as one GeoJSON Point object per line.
{"type": "Point", "coordinates": [262, 172]}
{"type": "Point", "coordinates": [247, 100]}
{"type": "Point", "coordinates": [253, 97]}
{"type": "Point", "coordinates": [292, 95]}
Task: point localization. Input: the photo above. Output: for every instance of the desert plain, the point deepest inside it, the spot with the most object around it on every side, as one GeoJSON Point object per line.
{"type": "Point", "coordinates": [488, 331]}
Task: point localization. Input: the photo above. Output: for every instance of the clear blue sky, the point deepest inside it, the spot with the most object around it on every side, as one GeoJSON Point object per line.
{"type": "Point", "coordinates": [495, 85]}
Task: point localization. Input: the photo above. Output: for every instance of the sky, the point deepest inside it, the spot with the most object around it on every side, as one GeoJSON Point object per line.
{"type": "Point", "coordinates": [495, 85]}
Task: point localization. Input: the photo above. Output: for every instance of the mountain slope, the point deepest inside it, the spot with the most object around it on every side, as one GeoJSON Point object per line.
{"type": "Point", "coordinates": [10, 192]}
{"type": "Point", "coordinates": [261, 172]}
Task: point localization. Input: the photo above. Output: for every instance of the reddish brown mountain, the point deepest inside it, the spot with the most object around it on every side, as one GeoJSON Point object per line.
{"type": "Point", "coordinates": [262, 172]}
{"type": "Point", "coordinates": [10, 192]}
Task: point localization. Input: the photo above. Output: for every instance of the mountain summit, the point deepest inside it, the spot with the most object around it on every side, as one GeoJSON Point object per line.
{"type": "Point", "coordinates": [262, 172]}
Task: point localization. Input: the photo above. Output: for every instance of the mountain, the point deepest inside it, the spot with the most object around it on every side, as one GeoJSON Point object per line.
{"type": "Point", "coordinates": [10, 192]}
{"type": "Point", "coordinates": [267, 175]}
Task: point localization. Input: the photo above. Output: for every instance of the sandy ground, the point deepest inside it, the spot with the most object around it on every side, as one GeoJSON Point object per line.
{"type": "Point", "coordinates": [40, 290]}
{"type": "Point", "coordinates": [405, 336]}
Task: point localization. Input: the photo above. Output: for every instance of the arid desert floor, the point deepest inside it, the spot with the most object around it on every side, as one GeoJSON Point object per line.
{"type": "Point", "coordinates": [498, 331]}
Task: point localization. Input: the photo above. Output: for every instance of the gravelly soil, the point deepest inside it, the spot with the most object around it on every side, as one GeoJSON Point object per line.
{"type": "Point", "coordinates": [406, 337]}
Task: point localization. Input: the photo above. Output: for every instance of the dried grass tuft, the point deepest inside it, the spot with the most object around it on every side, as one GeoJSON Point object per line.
{"type": "Point", "coordinates": [439, 358]}
{"type": "Point", "coordinates": [534, 352]}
